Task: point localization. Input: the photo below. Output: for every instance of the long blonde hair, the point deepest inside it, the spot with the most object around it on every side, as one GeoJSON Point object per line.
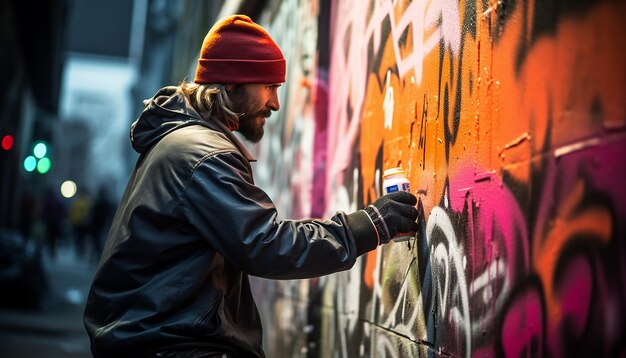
{"type": "Point", "coordinates": [211, 102]}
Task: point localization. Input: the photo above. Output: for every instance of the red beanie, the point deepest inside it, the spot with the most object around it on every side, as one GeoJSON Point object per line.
{"type": "Point", "coordinates": [236, 50]}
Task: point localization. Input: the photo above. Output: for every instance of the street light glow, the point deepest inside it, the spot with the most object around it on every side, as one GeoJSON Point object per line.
{"type": "Point", "coordinates": [68, 189]}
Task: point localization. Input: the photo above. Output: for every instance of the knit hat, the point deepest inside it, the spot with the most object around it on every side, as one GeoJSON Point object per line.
{"type": "Point", "coordinates": [236, 50]}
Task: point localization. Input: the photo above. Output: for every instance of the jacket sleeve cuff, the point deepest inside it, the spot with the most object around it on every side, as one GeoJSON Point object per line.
{"type": "Point", "coordinates": [363, 231]}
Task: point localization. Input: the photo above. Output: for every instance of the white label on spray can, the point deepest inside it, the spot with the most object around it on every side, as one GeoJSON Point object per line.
{"type": "Point", "coordinates": [394, 179]}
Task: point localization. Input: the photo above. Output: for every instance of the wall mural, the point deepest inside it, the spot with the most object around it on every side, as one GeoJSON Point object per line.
{"type": "Point", "coordinates": [294, 142]}
{"type": "Point", "coordinates": [510, 118]}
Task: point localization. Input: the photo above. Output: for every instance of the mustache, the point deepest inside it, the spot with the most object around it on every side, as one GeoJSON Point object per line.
{"type": "Point", "coordinates": [265, 113]}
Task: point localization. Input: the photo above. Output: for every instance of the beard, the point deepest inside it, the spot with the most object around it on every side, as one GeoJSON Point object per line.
{"type": "Point", "coordinates": [249, 126]}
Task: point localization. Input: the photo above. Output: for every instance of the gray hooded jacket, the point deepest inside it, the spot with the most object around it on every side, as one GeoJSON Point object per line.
{"type": "Point", "coordinates": [190, 228]}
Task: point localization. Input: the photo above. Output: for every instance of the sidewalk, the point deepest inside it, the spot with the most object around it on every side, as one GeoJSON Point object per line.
{"type": "Point", "coordinates": [55, 330]}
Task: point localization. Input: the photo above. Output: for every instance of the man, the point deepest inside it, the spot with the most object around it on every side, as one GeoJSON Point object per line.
{"type": "Point", "coordinates": [191, 225]}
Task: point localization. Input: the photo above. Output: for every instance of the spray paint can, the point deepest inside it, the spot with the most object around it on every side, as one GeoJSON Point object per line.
{"type": "Point", "coordinates": [395, 179]}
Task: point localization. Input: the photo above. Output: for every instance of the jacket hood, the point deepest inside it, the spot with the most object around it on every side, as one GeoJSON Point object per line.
{"type": "Point", "coordinates": [167, 111]}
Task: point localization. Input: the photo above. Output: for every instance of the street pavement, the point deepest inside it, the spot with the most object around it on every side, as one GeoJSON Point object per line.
{"type": "Point", "coordinates": [56, 328]}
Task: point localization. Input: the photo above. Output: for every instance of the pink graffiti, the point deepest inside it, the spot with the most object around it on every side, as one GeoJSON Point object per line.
{"type": "Point", "coordinates": [500, 219]}
{"type": "Point", "coordinates": [522, 328]}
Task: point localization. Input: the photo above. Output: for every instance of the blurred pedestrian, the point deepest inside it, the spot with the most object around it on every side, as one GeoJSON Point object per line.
{"type": "Point", "coordinates": [28, 213]}
{"type": "Point", "coordinates": [192, 225]}
{"type": "Point", "coordinates": [53, 215]}
{"type": "Point", "coordinates": [101, 217]}
{"type": "Point", "coordinates": [79, 217]}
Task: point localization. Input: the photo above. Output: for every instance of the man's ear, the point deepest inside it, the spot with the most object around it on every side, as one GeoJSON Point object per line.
{"type": "Point", "coordinates": [229, 88]}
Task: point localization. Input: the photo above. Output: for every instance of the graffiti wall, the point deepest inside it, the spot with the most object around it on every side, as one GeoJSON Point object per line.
{"type": "Point", "coordinates": [290, 163]}
{"type": "Point", "coordinates": [510, 118]}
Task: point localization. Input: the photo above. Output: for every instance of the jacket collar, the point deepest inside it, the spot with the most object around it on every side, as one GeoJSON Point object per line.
{"type": "Point", "coordinates": [220, 127]}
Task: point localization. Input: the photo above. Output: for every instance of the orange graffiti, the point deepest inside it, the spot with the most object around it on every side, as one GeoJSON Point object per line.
{"type": "Point", "coordinates": [593, 223]}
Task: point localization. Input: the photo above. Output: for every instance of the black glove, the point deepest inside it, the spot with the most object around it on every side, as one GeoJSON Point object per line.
{"type": "Point", "coordinates": [392, 214]}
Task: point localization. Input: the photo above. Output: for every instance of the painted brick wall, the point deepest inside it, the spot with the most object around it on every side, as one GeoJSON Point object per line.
{"type": "Point", "coordinates": [510, 118]}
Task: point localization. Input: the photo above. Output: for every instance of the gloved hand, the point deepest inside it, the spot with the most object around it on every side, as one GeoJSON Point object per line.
{"type": "Point", "coordinates": [392, 214]}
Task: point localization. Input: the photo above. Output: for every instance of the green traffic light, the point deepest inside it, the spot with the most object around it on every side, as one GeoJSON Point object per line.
{"type": "Point", "coordinates": [30, 163]}
{"type": "Point", "coordinates": [43, 166]}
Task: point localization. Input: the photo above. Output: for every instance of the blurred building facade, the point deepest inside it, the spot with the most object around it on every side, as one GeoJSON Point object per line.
{"type": "Point", "coordinates": [95, 104]}
{"type": "Point", "coordinates": [31, 64]}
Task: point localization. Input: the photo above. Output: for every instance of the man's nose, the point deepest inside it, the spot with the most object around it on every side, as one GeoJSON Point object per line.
{"type": "Point", "coordinates": [273, 102]}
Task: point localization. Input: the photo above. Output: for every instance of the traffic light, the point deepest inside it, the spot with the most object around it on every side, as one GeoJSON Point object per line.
{"type": "Point", "coordinates": [30, 163]}
{"type": "Point", "coordinates": [7, 142]}
{"type": "Point", "coordinates": [39, 159]}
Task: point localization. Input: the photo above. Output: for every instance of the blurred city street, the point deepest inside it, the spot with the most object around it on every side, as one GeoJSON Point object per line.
{"type": "Point", "coordinates": [55, 329]}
